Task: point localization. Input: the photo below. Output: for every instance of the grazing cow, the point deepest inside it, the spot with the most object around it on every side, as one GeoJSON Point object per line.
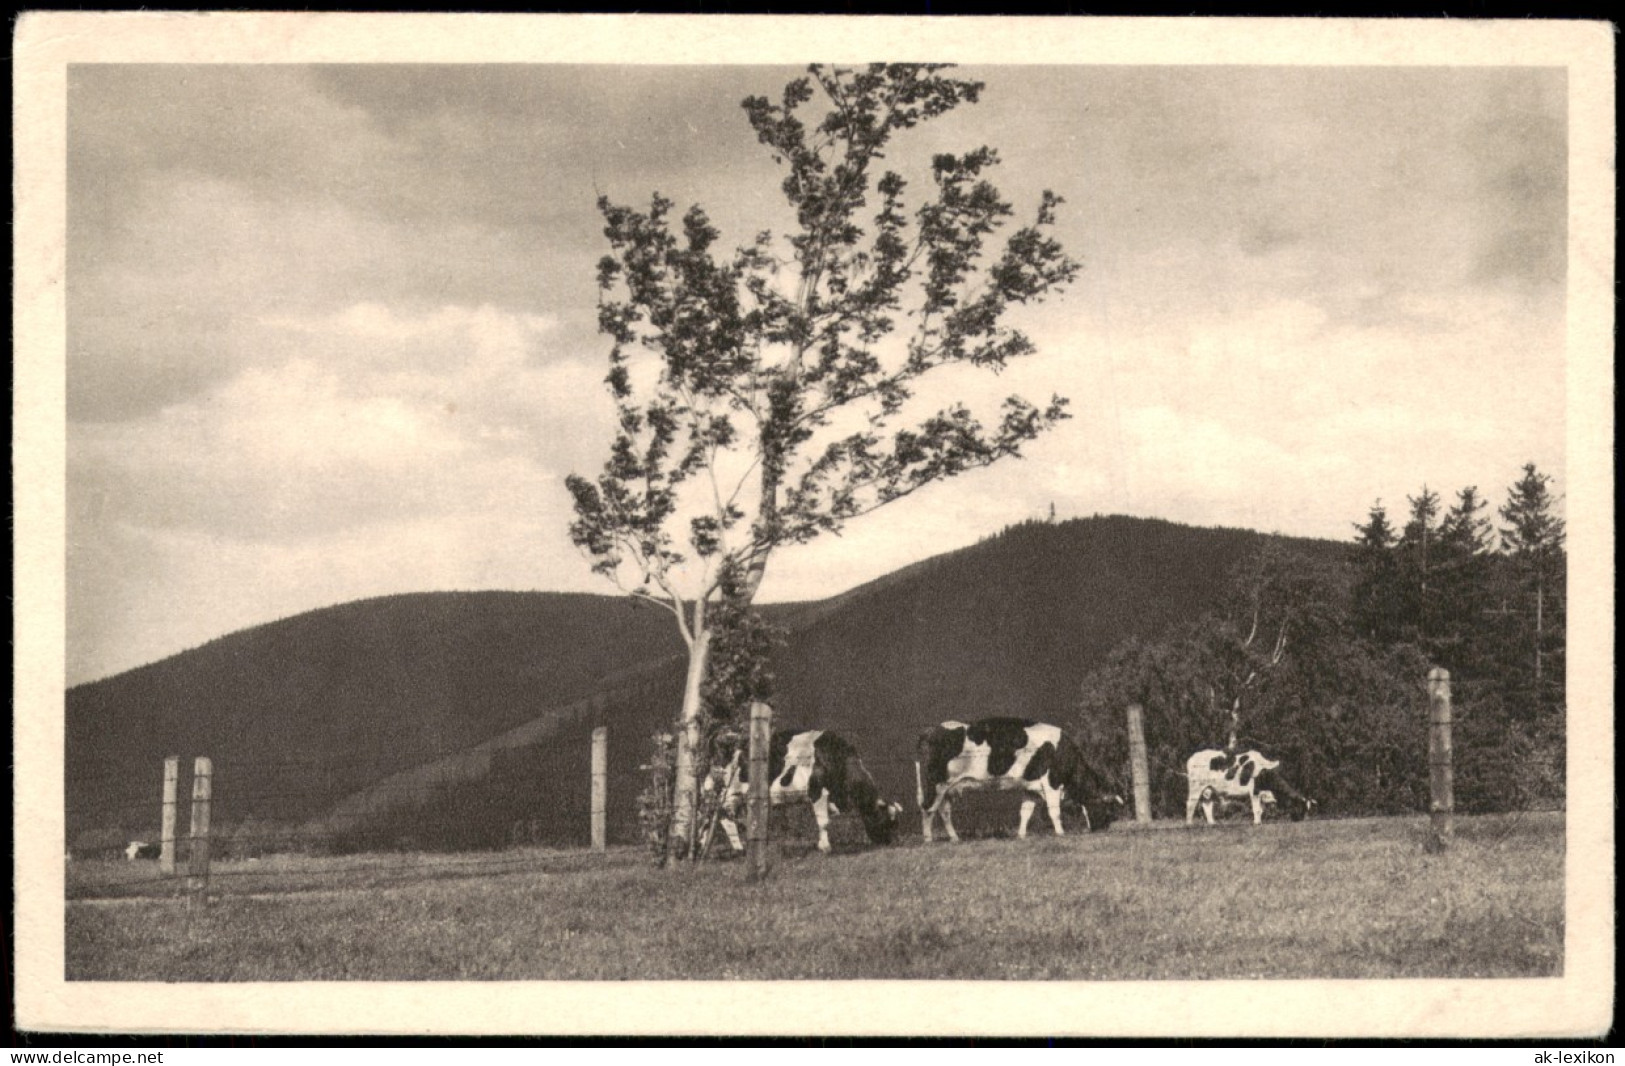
{"type": "Point", "coordinates": [1008, 754]}
{"type": "Point", "coordinates": [817, 767]}
{"type": "Point", "coordinates": [1216, 775]}
{"type": "Point", "coordinates": [140, 849]}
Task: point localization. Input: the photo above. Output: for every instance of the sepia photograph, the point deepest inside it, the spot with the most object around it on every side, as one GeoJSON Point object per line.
{"type": "Point", "coordinates": [565, 524]}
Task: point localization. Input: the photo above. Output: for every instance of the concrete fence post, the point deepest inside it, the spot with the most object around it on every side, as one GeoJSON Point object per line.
{"type": "Point", "coordinates": [166, 834]}
{"type": "Point", "coordinates": [1138, 765]}
{"type": "Point", "coordinates": [600, 785]}
{"type": "Point", "coordinates": [197, 874]}
{"type": "Point", "coordinates": [1441, 771]}
{"type": "Point", "coordinates": [761, 740]}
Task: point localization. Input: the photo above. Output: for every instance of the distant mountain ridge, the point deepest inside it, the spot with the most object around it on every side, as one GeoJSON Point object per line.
{"type": "Point", "coordinates": [353, 710]}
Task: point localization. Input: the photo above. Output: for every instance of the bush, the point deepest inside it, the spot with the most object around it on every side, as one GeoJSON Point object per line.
{"type": "Point", "coordinates": [655, 801]}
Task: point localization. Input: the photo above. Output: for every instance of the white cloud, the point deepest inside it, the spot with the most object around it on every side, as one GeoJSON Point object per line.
{"type": "Point", "coordinates": [373, 416]}
{"type": "Point", "coordinates": [384, 451]}
{"type": "Point", "coordinates": [204, 279]}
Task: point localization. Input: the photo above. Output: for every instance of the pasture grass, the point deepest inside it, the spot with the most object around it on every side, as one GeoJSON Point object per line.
{"type": "Point", "coordinates": [1328, 899]}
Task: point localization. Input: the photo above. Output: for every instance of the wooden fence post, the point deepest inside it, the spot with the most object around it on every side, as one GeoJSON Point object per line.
{"type": "Point", "coordinates": [1137, 764]}
{"type": "Point", "coordinates": [166, 838]}
{"type": "Point", "coordinates": [761, 740]}
{"type": "Point", "coordinates": [1441, 776]}
{"type": "Point", "coordinates": [197, 879]}
{"type": "Point", "coordinates": [600, 784]}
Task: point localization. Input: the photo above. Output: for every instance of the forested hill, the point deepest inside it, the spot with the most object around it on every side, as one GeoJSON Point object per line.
{"type": "Point", "coordinates": [306, 711]}
{"type": "Point", "coordinates": [1009, 626]}
{"type": "Point", "coordinates": [313, 706]}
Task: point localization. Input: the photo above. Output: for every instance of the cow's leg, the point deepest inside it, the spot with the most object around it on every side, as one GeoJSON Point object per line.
{"type": "Point", "coordinates": [1258, 809]}
{"type": "Point", "coordinates": [820, 808]}
{"type": "Point", "coordinates": [1207, 807]}
{"type": "Point", "coordinates": [1052, 800]}
{"type": "Point", "coordinates": [731, 802]}
{"type": "Point", "coordinates": [732, 829]}
{"type": "Point", "coordinates": [946, 807]}
{"type": "Point", "coordinates": [925, 808]}
{"type": "Point", "coordinates": [1191, 801]}
{"type": "Point", "coordinates": [1028, 805]}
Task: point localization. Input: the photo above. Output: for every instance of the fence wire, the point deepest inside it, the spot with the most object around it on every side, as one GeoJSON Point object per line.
{"type": "Point", "coordinates": [398, 833]}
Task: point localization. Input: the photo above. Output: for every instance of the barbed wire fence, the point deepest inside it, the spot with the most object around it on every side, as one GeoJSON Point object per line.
{"type": "Point", "coordinates": [485, 817]}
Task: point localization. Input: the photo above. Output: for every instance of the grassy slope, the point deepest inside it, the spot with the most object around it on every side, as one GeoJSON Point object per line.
{"type": "Point", "coordinates": [1348, 899]}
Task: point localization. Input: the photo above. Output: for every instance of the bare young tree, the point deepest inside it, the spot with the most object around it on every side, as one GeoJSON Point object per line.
{"type": "Point", "coordinates": [762, 396]}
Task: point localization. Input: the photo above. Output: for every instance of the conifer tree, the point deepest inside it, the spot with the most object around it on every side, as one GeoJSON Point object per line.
{"type": "Point", "coordinates": [1533, 538]}
{"type": "Point", "coordinates": [1417, 551]}
{"type": "Point", "coordinates": [1462, 575]}
{"type": "Point", "coordinates": [1377, 609]}
{"type": "Point", "coordinates": [1464, 530]}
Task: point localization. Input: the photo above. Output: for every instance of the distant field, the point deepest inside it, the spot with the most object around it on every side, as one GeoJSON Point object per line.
{"type": "Point", "coordinates": [1329, 899]}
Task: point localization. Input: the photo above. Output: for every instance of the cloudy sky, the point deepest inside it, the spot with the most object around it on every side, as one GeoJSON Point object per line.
{"type": "Point", "coordinates": [331, 329]}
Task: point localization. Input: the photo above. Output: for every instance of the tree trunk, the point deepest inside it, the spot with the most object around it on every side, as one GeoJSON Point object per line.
{"type": "Point", "coordinates": [767, 514]}
{"type": "Point", "coordinates": [686, 779]}
{"type": "Point", "coordinates": [1422, 603]}
{"type": "Point", "coordinates": [1540, 635]}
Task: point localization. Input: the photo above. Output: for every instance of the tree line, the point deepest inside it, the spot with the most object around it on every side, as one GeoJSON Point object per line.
{"type": "Point", "coordinates": [1321, 659]}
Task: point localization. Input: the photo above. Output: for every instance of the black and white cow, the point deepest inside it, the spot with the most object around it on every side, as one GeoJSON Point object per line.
{"type": "Point", "coordinates": [141, 849]}
{"type": "Point", "coordinates": [1217, 775]}
{"type": "Point", "coordinates": [1008, 754]}
{"type": "Point", "coordinates": [820, 768]}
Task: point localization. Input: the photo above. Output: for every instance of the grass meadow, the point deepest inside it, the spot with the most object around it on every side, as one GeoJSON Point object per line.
{"type": "Point", "coordinates": [1322, 899]}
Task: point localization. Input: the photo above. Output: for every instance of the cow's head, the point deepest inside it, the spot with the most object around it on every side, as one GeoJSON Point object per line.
{"type": "Point", "coordinates": [1273, 785]}
{"type": "Point", "coordinates": [1296, 808]}
{"type": "Point", "coordinates": [880, 820]}
{"type": "Point", "coordinates": [1103, 811]}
